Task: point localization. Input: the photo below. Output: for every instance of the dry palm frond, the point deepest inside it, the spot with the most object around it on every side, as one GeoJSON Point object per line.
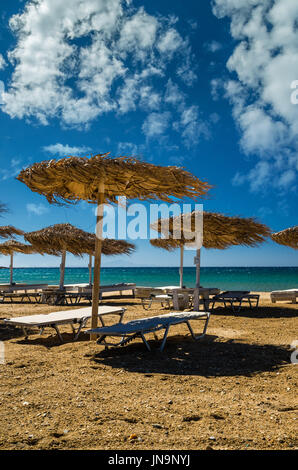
{"type": "Point", "coordinates": [116, 247]}
{"type": "Point", "coordinates": [12, 246]}
{"type": "Point", "coordinates": [287, 237]}
{"type": "Point", "coordinates": [74, 178]}
{"type": "Point", "coordinates": [65, 237]}
{"type": "Point", "coordinates": [169, 244]}
{"type": "Point", "coordinates": [219, 231]}
{"type": "Point", "coordinates": [61, 237]}
{"type": "Point", "coordinates": [8, 231]}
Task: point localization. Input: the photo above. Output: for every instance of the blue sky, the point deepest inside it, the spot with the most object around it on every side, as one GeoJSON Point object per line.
{"type": "Point", "coordinates": [205, 85]}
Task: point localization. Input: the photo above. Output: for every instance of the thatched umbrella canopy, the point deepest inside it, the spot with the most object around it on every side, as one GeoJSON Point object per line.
{"type": "Point", "coordinates": [61, 237]}
{"type": "Point", "coordinates": [58, 239]}
{"type": "Point", "coordinates": [219, 232]}
{"type": "Point", "coordinates": [8, 231]}
{"type": "Point", "coordinates": [74, 178]}
{"type": "Point", "coordinates": [101, 179]}
{"type": "Point", "coordinates": [10, 248]}
{"type": "Point", "coordinates": [287, 237]}
{"type": "Point", "coordinates": [112, 247]}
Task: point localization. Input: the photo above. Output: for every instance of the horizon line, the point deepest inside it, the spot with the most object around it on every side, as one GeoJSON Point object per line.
{"type": "Point", "coordinates": [139, 266]}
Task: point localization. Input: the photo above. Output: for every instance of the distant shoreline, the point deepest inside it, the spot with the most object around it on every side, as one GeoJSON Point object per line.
{"type": "Point", "coordinates": [260, 278]}
{"type": "Point", "coordinates": [153, 267]}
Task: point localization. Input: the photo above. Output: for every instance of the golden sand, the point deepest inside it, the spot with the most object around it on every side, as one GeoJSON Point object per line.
{"type": "Point", "coordinates": [236, 389]}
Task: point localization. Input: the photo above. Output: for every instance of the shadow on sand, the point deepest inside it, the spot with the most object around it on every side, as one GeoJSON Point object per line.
{"type": "Point", "coordinates": [51, 340]}
{"type": "Point", "coordinates": [259, 312]}
{"type": "Point", "coordinates": [9, 332]}
{"type": "Point", "coordinates": [209, 357]}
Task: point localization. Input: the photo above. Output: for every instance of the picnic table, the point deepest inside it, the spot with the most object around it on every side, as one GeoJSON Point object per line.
{"type": "Point", "coordinates": [205, 293]}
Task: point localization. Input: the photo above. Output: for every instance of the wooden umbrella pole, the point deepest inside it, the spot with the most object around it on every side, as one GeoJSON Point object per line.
{"type": "Point", "coordinates": [181, 265]}
{"type": "Point", "coordinates": [11, 268]}
{"type": "Point", "coordinates": [97, 258]}
{"type": "Point", "coordinates": [196, 306]}
{"type": "Point", "coordinates": [62, 270]}
{"type": "Point", "coordinates": [90, 270]}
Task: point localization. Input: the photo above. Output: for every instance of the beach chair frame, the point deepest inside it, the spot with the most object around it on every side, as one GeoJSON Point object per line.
{"type": "Point", "coordinates": [24, 297]}
{"type": "Point", "coordinates": [284, 295]}
{"type": "Point", "coordinates": [235, 299]}
{"type": "Point", "coordinates": [49, 322]}
{"type": "Point", "coordinates": [171, 319]}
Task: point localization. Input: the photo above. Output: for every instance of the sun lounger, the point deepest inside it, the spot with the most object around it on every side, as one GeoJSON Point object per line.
{"type": "Point", "coordinates": [141, 327]}
{"type": "Point", "coordinates": [280, 295]}
{"type": "Point", "coordinates": [235, 299]}
{"type": "Point", "coordinates": [122, 287]}
{"type": "Point", "coordinates": [73, 294]}
{"type": "Point", "coordinates": [22, 297]}
{"type": "Point", "coordinates": [178, 300]}
{"type": "Point", "coordinates": [54, 319]}
{"type": "Point", "coordinates": [15, 288]}
{"type": "Point", "coordinates": [149, 296]}
{"type": "Point", "coordinates": [28, 293]}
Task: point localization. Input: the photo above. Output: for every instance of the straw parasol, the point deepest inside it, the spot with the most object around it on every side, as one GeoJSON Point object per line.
{"type": "Point", "coordinates": [8, 231]}
{"type": "Point", "coordinates": [61, 238]}
{"type": "Point", "coordinates": [101, 179]}
{"type": "Point", "coordinates": [10, 248]}
{"type": "Point", "coordinates": [58, 239]}
{"type": "Point", "coordinates": [287, 237]}
{"type": "Point", "coordinates": [219, 232]}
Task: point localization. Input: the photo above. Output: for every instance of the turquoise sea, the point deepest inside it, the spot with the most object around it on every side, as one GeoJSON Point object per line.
{"type": "Point", "coordinates": [254, 279]}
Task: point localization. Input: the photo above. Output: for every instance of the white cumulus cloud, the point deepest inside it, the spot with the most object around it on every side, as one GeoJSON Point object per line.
{"type": "Point", "coordinates": [2, 62]}
{"type": "Point", "coordinates": [156, 124]}
{"type": "Point", "coordinates": [63, 150]}
{"type": "Point", "coordinates": [265, 62]}
{"type": "Point", "coordinates": [37, 209]}
{"type": "Point", "coordinates": [76, 60]}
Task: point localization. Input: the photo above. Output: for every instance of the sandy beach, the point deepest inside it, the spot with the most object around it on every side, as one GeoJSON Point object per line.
{"type": "Point", "coordinates": [235, 389]}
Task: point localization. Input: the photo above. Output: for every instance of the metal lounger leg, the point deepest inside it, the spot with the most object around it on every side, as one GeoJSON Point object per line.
{"type": "Point", "coordinates": [164, 338]}
{"type": "Point", "coordinates": [145, 341]}
{"type": "Point", "coordinates": [25, 332]}
{"type": "Point", "coordinates": [146, 306]}
{"type": "Point", "coordinates": [121, 316]}
{"type": "Point", "coordinates": [58, 332]}
{"type": "Point", "coordinates": [82, 324]}
{"type": "Point", "coordinates": [196, 337]}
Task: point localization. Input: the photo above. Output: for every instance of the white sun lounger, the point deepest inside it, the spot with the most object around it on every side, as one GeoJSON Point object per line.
{"type": "Point", "coordinates": [138, 328]}
{"type": "Point", "coordinates": [289, 294]}
{"type": "Point", "coordinates": [79, 316]}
